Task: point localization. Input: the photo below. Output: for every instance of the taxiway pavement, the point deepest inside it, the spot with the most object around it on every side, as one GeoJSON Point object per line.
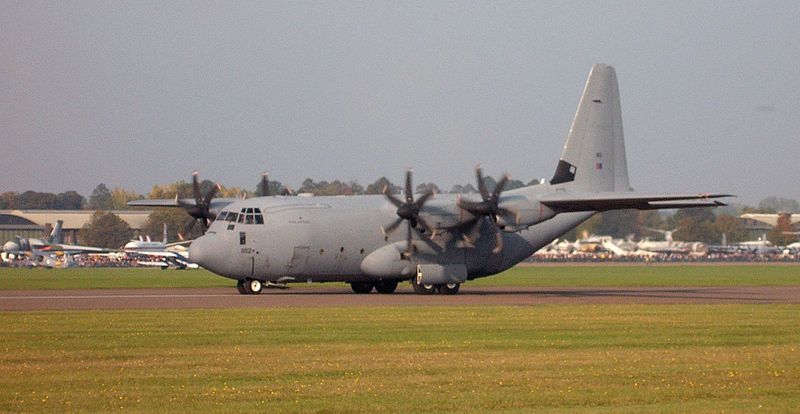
{"type": "Point", "coordinates": [340, 295]}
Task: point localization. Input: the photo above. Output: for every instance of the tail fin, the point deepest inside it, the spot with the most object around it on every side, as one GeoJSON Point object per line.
{"type": "Point", "coordinates": [56, 236]}
{"type": "Point", "coordinates": [164, 234]}
{"type": "Point", "coordinates": [594, 154]}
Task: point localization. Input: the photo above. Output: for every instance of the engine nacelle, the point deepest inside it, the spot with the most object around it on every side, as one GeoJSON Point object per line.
{"type": "Point", "coordinates": [526, 213]}
{"type": "Point", "coordinates": [441, 274]}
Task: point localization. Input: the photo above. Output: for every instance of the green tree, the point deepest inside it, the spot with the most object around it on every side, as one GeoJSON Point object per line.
{"type": "Point", "coordinates": [426, 187]}
{"type": "Point", "coordinates": [105, 229]}
{"type": "Point", "coordinates": [780, 235]}
{"type": "Point", "coordinates": [101, 198]}
{"type": "Point", "coordinates": [732, 227]}
{"type": "Point", "coordinates": [120, 198]}
{"type": "Point", "coordinates": [70, 200]}
{"type": "Point", "coordinates": [463, 189]}
{"type": "Point", "coordinates": [619, 223]}
{"type": "Point", "coordinates": [177, 221]}
{"type": "Point", "coordinates": [648, 219]}
{"type": "Point", "coordinates": [695, 224]}
{"type": "Point", "coordinates": [379, 184]}
{"type": "Point", "coordinates": [7, 200]}
{"type": "Point", "coordinates": [33, 200]}
{"type": "Point", "coordinates": [273, 187]}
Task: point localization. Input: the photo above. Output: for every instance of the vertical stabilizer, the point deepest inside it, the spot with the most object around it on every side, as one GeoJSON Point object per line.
{"type": "Point", "coordinates": [594, 154]}
{"type": "Point", "coordinates": [164, 234]}
{"type": "Point", "coordinates": [57, 236]}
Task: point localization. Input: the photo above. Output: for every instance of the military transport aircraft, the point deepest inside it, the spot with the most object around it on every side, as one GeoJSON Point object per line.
{"type": "Point", "coordinates": [448, 239]}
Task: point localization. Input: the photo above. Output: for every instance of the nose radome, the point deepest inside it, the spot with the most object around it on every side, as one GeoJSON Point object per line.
{"type": "Point", "coordinates": [209, 252]}
{"type": "Point", "coordinates": [198, 250]}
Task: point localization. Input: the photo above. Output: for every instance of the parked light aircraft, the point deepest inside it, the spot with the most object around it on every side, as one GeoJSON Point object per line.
{"type": "Point", "coordinates": [46, 253]}
{"type": "Point", "coordinates": [160, 253]}
{"type": "Point", "coordinates": [448, 239]}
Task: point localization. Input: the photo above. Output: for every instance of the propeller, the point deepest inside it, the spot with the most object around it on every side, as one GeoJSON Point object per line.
{"type": "Point", "coordinates": [263, 190]}
{"type": "Point", "coordinates": [487, 207]}
{"type": "Point", "coordinates": [200, 210]}
{"type": "Point", "coordinates": [408, 210]}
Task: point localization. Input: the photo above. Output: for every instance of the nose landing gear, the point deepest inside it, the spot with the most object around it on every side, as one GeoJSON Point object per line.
{"type": "Point", "coordinates": [249, 286]}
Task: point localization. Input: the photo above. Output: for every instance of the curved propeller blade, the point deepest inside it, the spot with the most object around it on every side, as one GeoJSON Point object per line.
{"type": "Point", "coordinates": [488, 207]}
{"type": "Point", "coordinates": [264, 190]}
{"type": "Point", "coordinates": [408, 211]}
{"type": "Point", "coordinates": [200, 211]}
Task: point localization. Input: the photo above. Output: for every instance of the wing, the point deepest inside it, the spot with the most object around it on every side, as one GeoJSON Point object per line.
{"type": "Point", "coordinates": [69, 248]}
{"type": "Point", "coordinates": [216, 206]}
{"type": "Point", "coordinates": [604, 201]}
{"type": "Point", "coordinates": [171, 202]}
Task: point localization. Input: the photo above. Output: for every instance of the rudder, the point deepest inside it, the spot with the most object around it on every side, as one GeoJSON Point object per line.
{"type": "Point", "coordinates": [594, 158]}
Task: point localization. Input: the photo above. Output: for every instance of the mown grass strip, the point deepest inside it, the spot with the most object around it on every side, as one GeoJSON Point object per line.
{"type": "Point", "coordinates": [626, 358]}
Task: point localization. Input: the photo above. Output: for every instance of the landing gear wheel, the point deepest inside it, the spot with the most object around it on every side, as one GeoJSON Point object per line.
{"type": "Point", "coordinates": [449, 289]}
{"type": "Point", "coordinates": [240, 287]}
{"type": "Point", "coordinates": [253, 286]}
{"type": "Point", "coordinates": [422, 289]}
{"type": "Point", "coordinates": [361, 287]}
{"type": "Point", "coordinates": [386, 286]}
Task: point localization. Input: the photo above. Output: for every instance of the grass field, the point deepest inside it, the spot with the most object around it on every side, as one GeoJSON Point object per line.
{"type": "Point", "coordinates": [589, 276]}
{"type": "Point", "coordinates": [554, 358]}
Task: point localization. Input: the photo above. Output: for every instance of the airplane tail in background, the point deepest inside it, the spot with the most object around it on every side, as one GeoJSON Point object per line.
{"type": "Point", "coordinates": [164, 234]}
{"type": "Point", "coordinates": [57, 236]}
{"type": "Point", "coordinates": [593, 158]}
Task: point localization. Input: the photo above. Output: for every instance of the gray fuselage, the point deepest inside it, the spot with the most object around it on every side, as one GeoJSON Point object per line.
{"type": "Point", "coordinates": [324, 239]}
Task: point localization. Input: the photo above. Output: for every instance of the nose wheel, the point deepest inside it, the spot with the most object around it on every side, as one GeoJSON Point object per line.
{"type": "Point", "coordinates": [249, 286]}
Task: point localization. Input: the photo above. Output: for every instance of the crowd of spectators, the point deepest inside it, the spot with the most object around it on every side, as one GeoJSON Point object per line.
{"type": "Point", "coordinates": [603, 257]}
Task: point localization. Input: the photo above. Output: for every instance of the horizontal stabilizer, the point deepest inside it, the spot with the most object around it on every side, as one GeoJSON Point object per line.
{"type": "Point", "coordinates": [604, 201]}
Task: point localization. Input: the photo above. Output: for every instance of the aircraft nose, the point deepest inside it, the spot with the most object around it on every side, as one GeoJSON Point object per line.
{"type": "Point", "coordinates": [10, 247]}
{"type": "Point", "coordinates": [207, 252]}
{"type": "Point", "coordinates": [198, 250]}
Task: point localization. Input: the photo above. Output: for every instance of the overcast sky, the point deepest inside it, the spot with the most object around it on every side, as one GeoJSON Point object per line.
{"type": "Point", "coordinates": [141, 93]}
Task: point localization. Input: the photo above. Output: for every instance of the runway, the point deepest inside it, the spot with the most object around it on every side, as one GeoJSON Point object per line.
{"type": "Point", "coordinates": [321, 296]}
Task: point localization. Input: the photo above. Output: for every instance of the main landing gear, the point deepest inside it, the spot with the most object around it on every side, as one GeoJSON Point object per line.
{"type": "Point", "coordinates": [422, 289]}
{"type": "Point", "coordinates": [382, 286]}
{"type": "Point", "coordinates": [389, 286]}
{"type": "Point", "coordinates": [249, 286]}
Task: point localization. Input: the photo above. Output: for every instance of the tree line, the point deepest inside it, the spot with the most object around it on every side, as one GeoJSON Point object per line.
{"type": "Point", "coordinates": [698, 224]}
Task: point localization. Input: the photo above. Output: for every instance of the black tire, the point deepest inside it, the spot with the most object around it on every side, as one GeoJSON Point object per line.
{"type": "Point", "coordinates": [386, 286]}
{"type": "Point", "coordinates": [361, 287]}
{"type": "Point", "coordinates": [422, 289]}
{"type": "Point", "coordinates": [253, 286]}
{"type": "Point", "coordinates": [449, 289]}
{"type": "Point", "coordinates": [240, 287]}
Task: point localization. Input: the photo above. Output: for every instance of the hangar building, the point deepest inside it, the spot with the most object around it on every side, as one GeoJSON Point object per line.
{"type": "Point", "coordinates": [37, 223]}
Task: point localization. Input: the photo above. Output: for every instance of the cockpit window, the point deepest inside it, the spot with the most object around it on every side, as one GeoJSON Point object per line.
{"type": "Point", "coordinates": [247, 215]}
{"type": "Point", "coordinates": [222, 216]}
